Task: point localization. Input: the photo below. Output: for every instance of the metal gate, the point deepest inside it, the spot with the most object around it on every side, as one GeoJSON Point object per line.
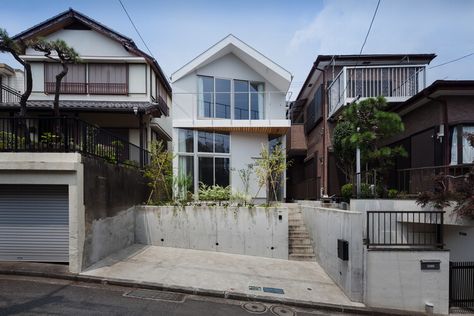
{"type": "Point", "coordinates": [34, 223]}
{"type": "Point", "coordinates": [461, 285]}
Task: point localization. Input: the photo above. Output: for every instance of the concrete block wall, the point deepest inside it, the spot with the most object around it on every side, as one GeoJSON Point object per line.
{"type": "Point", "coordinates": [326, 226]}
{"type": "Point", "coordinates": [248, 231]}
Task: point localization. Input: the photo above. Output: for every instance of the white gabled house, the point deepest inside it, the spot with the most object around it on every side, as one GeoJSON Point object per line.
{"type": "Point", "coordinates": [228, 102]}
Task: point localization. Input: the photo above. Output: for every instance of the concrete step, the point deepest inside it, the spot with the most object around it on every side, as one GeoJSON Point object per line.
{"type": "Point", "coordinates": [299, 241]}
{"type": "Point", "coordinates": [303, 249]}
{"type": "Point", "coordinates": [298, 234]}
{"type": "Point", "coordinates": [296, 228]}
{"type": "Point", "coordinates": [302, 257]}
{"type": "Point", "coordinates": [296, 221]}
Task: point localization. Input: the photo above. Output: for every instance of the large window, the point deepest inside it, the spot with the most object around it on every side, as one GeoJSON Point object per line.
{"type": "Point", "coordinates": [73, 83]}
{"type": "Point", "coordinates": [226, 99]}
{"type": "Point", "coordinates": [209, 152]}
{"type": "Point", "coordinates": [314, 111]}
{"type": "Point", "coordinates": [461, 150]}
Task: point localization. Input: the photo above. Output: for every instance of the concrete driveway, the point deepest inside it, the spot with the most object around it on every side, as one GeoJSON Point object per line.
{"type": "Point", "coordinates": [302, 281]}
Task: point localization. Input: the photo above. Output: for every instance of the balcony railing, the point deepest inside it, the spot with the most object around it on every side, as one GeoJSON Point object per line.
{"type": "Point", "coordinates": [9, 95]}
{"type": "Point", "coordinates": [88, 88]}
{"type": "Point", "coordinates": [416, 180]}
{"type": "Point", "coordinates": [395, 83]}
{"type": "Point", "coordinates": [68, 134]}
{"type": "Point", "coordinates": [400, 230]}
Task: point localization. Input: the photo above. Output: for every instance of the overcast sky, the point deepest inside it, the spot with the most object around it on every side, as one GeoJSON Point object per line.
{"type": "Point", "coordinates": [292, 33]}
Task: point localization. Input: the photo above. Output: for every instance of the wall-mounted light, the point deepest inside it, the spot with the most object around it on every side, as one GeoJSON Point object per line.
{"type": "Point", "coordinates": [135, 110]}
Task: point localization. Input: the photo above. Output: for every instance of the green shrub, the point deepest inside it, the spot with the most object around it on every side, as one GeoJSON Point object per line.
{"type": "Point", "coordinates": [365, 191]}
{"type": "Point", "coordinates": [7, 141]}
{"type": "Point", "coordinates": [392, 194]}
{"type": "Point", "coordinates": [347, 191]}
{"type": "Point", "coordinates": [214, 193]}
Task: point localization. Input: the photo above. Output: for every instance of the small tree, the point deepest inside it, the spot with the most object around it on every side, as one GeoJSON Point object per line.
{"type": "Point", "coordinates": [159, 173]}
{"type": "Point", "coordinates": [269, 168]}
{"type": "Point", "coordinates": [7, 45]}
{"type": "Point", "coordinates": [368, 125]}
{"type": "Point", "coordinates": [344, 150]}
{"type": "Point", "coordinates": [58, 51]}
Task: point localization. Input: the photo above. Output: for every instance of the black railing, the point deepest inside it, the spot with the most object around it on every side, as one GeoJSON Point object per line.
{"type": "Point", "coordinates": [9, 95]}
{"type": "Point", "coordinates": [87, 88]}
{"type": "Point", "coordinates": [67, 134]}
{"type": "Point", "coordinates": [461, 285]}
{"type": "Point", "coordinates": [402, 230]}
{"type": "Point", "coordinates": [415, 180]}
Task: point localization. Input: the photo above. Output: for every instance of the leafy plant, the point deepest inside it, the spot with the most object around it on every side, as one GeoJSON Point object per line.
{"type": "Point", "coordinates": [8, 141]}
{"type": "Point", "coordinates": [183, 184]}
{"type": "Point", "coordinates": [392, 193]}
{"type": "Point", "coordinates": [241, 198]}
{"type": "Point", "coordinates": [245, 175]}
{"type": "Point", "coordinates": [347, 191]}
{"type": "Point", "coordinates": [215, 193]}
{"type": "Point", "coordinates": [159, 173]}
{"type": "Point", "coordinates": [269, 168]}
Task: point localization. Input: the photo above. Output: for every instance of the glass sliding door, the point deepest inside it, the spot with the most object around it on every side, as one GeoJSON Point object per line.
{"type": "Point", "coordinates": [186, 171]}
{"type": "Point", "coordinates": [222, 109]}
{"type": "Point", "coordinates": [256, 100]}
{"type": "Point", "coordinates": [205, 96]}
{"type": "Point", "coordinates": [241, 100]}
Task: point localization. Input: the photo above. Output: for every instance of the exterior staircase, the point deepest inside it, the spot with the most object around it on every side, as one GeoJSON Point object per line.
{"type": "Point", "coordinates": [299, 242]}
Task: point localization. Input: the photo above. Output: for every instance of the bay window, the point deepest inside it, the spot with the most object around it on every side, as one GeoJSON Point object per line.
{"type": "Point", "coordinates": [226, 98]}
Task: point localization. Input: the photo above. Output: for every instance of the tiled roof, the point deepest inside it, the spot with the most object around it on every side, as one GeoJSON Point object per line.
{"type": "Point", "coordinates": [155, 109]}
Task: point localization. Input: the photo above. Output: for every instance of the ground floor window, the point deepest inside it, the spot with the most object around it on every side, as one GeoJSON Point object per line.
{"type": "Point", "coordinates": [461, 150]}
{"type": "Point", "coordinates": [204, 159]}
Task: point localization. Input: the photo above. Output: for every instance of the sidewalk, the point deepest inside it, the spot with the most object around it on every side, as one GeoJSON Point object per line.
{"type": "Point", "coordinates": [224, 274]}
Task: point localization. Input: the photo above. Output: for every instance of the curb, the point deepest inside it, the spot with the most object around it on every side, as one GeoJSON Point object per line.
{"type": "Point", "coordinates": [207, 292]}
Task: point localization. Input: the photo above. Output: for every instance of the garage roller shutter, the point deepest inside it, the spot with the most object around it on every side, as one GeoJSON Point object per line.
{"type": "Point", "coordinates": [34, 223]}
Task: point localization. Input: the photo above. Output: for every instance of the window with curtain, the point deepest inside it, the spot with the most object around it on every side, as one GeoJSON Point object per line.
{"type": "Point", "coordinates": [205, 96]}
{"type": "Point", "coordinates": [461, 150]}
{"type": "Point", "coordinates": [73, 83]}
{"type": "Point", "coordinates": [108, 79]}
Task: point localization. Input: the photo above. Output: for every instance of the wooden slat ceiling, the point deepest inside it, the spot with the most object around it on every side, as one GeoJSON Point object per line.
{"type": "Point", "coordinates": [262, 130]}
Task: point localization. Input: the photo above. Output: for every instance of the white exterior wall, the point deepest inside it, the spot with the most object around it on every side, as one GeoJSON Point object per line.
{"type": "Point", "coordinates": [94, 47]}
{"type": "Point", "coordinates": [243, 146]}
{"type": "Point", "coordinates": [229, 67]}
{"type": "Point", "coordinates": [394, 280]}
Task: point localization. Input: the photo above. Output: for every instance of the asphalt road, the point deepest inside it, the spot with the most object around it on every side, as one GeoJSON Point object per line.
{"type": "Point", "coordinates": [39, 296]}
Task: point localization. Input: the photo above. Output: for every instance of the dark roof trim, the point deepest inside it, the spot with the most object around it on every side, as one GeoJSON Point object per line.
{"type": "Point", "coordinates": [64, 18]}
{"type": "Point", "coordinates": [435, 86]}
{"type": "Point", "coordinates": [395, 57]}
{"type": "Point", "coordinates": [154, 109]}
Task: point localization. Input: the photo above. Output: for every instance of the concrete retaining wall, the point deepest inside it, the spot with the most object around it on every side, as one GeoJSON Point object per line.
{"type": "Point", "coordinates": [395, 280]}
{"type": "Point", "coordinates": [255, 231]}
{"type": "Point", "coordinates": [326, 226]}
{"type": "Point", "coordinates": [109, 193]}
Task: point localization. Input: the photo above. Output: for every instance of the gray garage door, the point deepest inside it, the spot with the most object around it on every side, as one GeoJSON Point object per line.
{"type": "Point", "coordinates": [34, 223]}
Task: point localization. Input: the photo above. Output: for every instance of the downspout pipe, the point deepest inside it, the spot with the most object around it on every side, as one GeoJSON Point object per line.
{"type": "Point", "coordinates": [323, 189]}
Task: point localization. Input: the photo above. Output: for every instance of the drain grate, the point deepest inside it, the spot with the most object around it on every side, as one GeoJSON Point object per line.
{"type": "Point", "coordinates": [156, 295]}
{"type": "Point", "coordinates": [282, 311]}
{"type": "Point", "coordinates": [255, 308]}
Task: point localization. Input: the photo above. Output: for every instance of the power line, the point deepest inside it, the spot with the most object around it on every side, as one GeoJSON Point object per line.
{"type": "Point", "coordinates": [452, 61]}
{"type": "Point", "coordinates": [136, 29]}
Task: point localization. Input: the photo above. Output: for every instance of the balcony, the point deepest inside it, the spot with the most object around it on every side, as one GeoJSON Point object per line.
{"type": "Point", "coordinates": [88, 88]}
{"type": "Point", "coordinates": [68, 134]}
{"type": "Point", "coordinates": [395, 83]}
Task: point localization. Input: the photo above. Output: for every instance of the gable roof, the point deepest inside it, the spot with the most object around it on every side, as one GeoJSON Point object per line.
{"type": "Point", "coordinates": [267, 68]}
{"type": "Point", "coordinates": [71, 16]}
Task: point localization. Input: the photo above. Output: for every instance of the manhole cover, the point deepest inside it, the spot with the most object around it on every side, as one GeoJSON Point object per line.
{"type": "Point", "coordinates": [282, 311]}
{"type": "Point", "coordinates": [156, 295]}
{"type": "Point", "coordinates": [256, 308]}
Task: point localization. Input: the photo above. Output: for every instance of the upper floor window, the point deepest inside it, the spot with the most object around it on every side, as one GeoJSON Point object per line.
{"type": "Point", "coordinates": [101, 79]}
{"type": "Point", "coordinates": [108, 79]}
{"type": "Point", "coordinates": [314, 110]}
{"type": "Point", "coordinates": [73, 83]}
{"type": "Point", "coordinates": [461, 150]}
{"type": "Point", "coordinates": [225, 98]}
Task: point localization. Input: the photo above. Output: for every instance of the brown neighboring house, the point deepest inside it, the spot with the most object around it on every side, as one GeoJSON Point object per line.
{"type": "Point", "coordinates": [333, 82]}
